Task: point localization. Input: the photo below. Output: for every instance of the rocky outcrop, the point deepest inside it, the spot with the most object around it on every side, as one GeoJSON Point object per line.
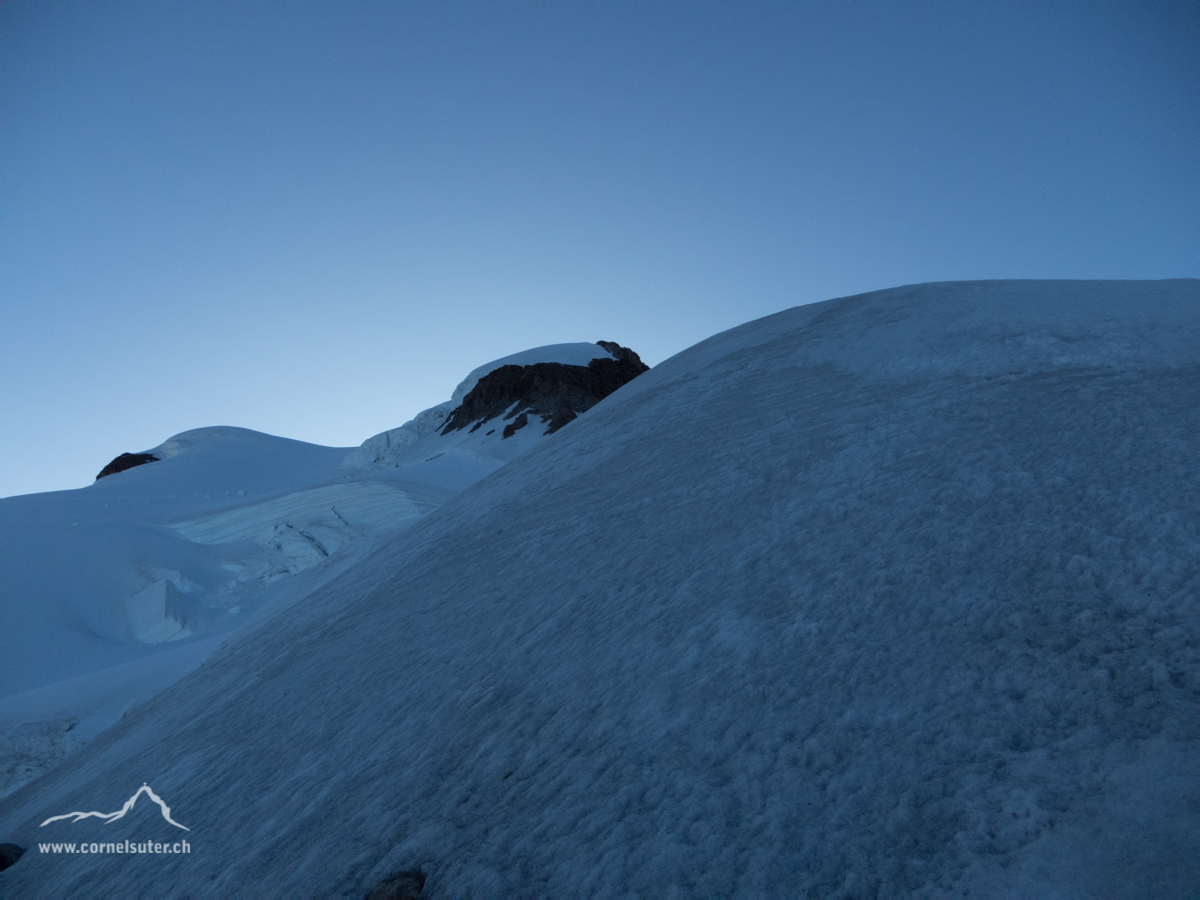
{"type": "Point", "coordinates": [126, 461]}
{"type": "Point", "coordinates": [554, 391]}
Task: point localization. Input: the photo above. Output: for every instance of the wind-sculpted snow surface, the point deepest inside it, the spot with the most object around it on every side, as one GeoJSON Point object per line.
{"type": "Point", "coordinates": [890, 595]}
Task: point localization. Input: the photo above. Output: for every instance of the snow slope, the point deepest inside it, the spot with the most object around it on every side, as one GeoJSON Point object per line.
{"type": "Point", "coordinates": [888, 595]}
{"type": "Point", "coordinates": [468, 457]}
{"type": "Point", "coordinates": [112, 592]}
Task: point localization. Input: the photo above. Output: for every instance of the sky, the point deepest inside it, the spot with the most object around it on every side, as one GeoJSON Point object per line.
{"type": "Point", "coordinates": [314, 219]}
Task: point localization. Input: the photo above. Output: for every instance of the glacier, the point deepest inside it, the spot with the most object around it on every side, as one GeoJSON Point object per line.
{"type": "Point", "coordinates": [894, 594]}
{"type": "Point", "coordinates": [111, 592]}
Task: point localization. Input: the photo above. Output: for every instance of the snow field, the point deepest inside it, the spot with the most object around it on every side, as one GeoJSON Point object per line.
{"type": "Point", "coordinates": [762, 623]}
{"type": "Point", "coordinates": [205, 542]}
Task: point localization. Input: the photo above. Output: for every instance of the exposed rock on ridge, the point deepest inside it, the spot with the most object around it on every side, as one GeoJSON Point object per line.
{"type": "Point", "coordinates": [126, 461]}
{"type": "Point", "coordinates": [554, 391]}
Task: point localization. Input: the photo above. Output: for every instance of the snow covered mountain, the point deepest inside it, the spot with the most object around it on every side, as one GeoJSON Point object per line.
{"type": "Point", "coordinates": [112, 592]}
{"type": "Point", "coordinates": [890, 595]}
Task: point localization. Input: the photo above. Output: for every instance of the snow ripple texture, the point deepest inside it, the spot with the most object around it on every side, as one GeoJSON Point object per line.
{"type": "Point", "coordinates": [890, 595]}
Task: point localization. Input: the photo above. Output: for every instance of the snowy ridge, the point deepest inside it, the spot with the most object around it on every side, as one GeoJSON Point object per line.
{"type": "Point", "coordinates": [386, 446]}
{"type": "Point", "coordinates": [399, 446]}
{"type": "Point", "coordinates": [225, 529]}
{"type": "Point", "coordinates": [762, 623]}
{"type": "Point", "coordinates": [567, 354]}
{"type": "Point", "coordinates": [985, 329]}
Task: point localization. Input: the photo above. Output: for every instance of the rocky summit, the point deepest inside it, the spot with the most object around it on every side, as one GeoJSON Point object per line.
{"type": "Point", "coordinates": [554, 391]}
{"type": "Point", "coordinates": [126, 461]}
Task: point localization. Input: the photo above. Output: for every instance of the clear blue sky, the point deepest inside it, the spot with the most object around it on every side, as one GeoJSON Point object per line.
{"type": "Point", "coordinates": [313, 219]}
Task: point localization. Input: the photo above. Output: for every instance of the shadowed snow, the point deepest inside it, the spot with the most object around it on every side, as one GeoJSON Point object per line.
{"type": "Point", "coordinates": [890, 595]}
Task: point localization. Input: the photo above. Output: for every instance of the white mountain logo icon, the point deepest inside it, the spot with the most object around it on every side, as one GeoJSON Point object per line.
{"type": "Point", "coordinates": [113, 816]}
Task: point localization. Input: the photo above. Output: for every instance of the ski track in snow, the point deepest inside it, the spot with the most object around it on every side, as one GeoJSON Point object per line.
{"type": "Point", "coordinates": [892, 595]}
